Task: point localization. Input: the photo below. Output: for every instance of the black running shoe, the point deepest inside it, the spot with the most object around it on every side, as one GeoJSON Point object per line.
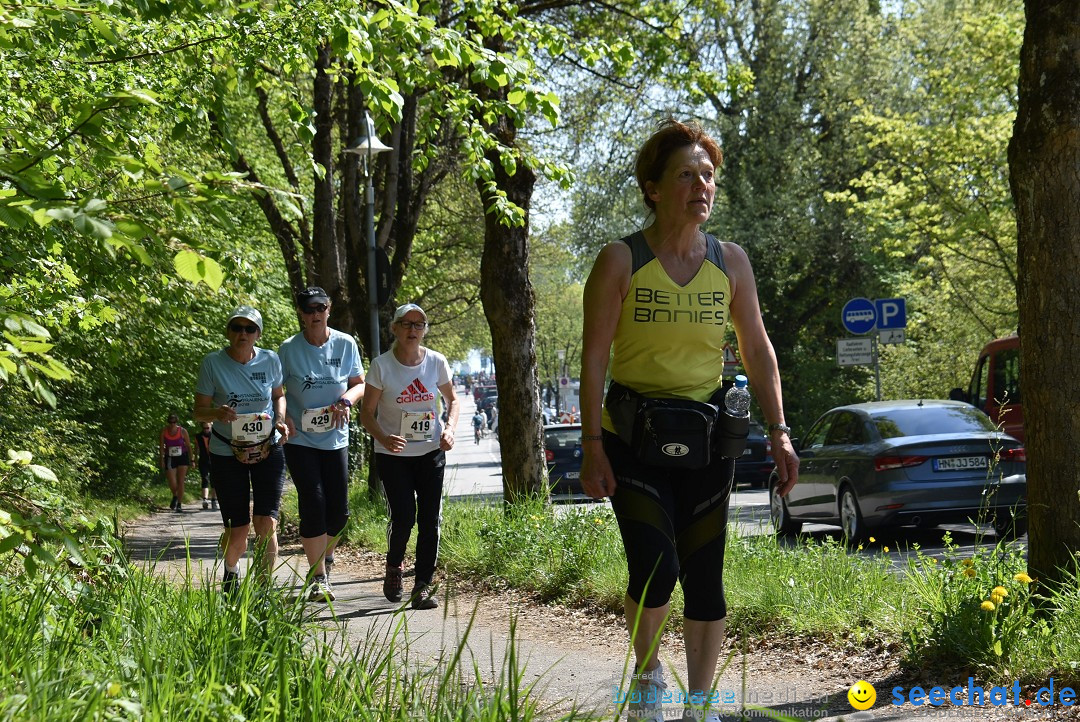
{"type": "Point", "coordinates": [391, 586]}
{"type": "Point", "coordinates": [230, 584]}
{"type": "Point", "coordinates": [423, 597]}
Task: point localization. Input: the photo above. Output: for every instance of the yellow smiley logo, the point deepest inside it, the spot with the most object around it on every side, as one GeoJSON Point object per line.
{"type": "Point", "coordinates": [862, 695]}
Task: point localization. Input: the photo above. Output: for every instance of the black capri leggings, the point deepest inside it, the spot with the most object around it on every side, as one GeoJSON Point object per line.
{"type": "Point", "coordinates": [674, 528]}
{"type": "Point", "coordinates": [413, 487]}
{"type": "Point", "coordinates": [246, 489]}
{"type": "Point", "coordinates": [321, 477]}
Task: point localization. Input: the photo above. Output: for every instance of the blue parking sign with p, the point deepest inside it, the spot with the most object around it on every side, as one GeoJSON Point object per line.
{"type": "Point", "coordinates": [891, 313]}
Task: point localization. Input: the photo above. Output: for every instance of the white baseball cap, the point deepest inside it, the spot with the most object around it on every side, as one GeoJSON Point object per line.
{"type": "Point", "coordinates": [249, 313]}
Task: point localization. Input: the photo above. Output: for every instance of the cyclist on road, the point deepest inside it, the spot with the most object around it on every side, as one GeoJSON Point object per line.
{"type": "Point", "coordinates": [478, 421]}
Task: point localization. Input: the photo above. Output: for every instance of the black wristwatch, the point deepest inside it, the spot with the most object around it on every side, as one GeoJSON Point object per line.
{"type": "Point", "coordinates": [343, 400]}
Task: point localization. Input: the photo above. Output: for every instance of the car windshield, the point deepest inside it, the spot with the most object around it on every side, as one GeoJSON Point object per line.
{"type": "Point", "coordinates": [921, 421]}
{"type": "Point", "coordinates": [562, 438]}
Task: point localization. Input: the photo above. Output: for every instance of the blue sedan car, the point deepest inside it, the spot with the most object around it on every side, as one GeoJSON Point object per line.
{"type": "Point", "coordinates": [562, 449]}
{"type": "Point", "coordinates": [892, 463]}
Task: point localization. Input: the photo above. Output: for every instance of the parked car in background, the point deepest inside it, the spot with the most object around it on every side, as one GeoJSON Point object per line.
{"type": "Point", "coordinates": [756, 463]}
{"type": "Point", "coordinates": [562, 450]}
{"type": "Point", "coordinates": [918, 462]}
{"type": "Point", "coordinates": [479, 392]}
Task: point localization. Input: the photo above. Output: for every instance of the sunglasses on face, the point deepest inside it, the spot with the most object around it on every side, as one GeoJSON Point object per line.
{"type": "Point", "coordinates": [243, 328]}
{"type": "Point", "coordinates": [315, 308]}
{"type": "Point", "coordinates": [418, 325]}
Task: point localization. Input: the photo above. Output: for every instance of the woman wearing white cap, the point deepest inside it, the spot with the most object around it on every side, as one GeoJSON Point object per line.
{"type": "Point", "coordinates": [240, 391]}
{"type": "Point", "coordinates": [323, 381]}
{"type": "Point", "coordinates": [401, 412]}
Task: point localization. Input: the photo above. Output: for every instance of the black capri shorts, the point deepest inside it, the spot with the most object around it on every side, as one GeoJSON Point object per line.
{"type": "Point", "coordinates": [674, 528]}
{"type": "Point", "coordinates": [321, 477]}
{"type": "Point", "coordinates": [247, 489]}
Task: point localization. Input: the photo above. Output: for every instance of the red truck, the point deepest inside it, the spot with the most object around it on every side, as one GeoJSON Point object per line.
{"type": "Point", "coordinates": [995, 385]}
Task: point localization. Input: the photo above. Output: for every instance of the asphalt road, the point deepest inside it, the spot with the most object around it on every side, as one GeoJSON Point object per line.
{"type": "Point", "coordinates": [474, 471]}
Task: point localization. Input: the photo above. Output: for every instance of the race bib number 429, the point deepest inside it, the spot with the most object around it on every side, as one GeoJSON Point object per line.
{"type": "Point", "coordinates": [418, 425]}
{"type": "Point", "coordinates": [317, 421]}
{"type": "Point", "coordinates": [249, 428]}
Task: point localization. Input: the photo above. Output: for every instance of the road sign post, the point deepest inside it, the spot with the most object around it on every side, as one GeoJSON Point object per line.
{"type": "Point", "coordinates": [886, 316]}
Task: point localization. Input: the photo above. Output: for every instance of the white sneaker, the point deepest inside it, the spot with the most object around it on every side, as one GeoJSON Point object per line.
{"type": "Point", "coordinates": [321, 591]}
{"type": "Point", "coordinates": [646, 696]}
{"type": "Point", "coordinates": [205, 504]}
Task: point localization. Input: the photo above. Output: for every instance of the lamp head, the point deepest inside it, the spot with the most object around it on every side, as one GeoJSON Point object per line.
{"type": "Point", "coordinates": [368, 143]}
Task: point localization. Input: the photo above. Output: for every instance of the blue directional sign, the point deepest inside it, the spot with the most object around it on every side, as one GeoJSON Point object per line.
{"type": "Point", "coordinates": [859, 316]}
{"type": "Point", "coordinates": [891, 313]}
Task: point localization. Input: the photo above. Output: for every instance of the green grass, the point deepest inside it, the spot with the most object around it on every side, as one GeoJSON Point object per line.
{"type": "Point", "coordinates": [111, 641]}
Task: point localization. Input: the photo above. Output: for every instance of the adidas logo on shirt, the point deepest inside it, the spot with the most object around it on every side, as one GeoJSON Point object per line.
{"type": "Point", "coordinates": [416, 391]}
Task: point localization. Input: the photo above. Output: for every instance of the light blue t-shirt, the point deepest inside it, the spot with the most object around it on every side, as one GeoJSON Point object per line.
{"type": "Point", "coordinates": [248, 388]}
{"type": "Point", "coordinates": [315, 377]}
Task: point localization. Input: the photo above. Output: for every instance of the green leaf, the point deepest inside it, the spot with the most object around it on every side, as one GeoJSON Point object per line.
{"type": "Point", "coordinates": [19, 456]}
{"type": "Point", "coordinates": [10, 542]}
{"type": "Point", "coordinates": [187, 265]}
{"type": "Point", "coordinates": [90, 226]}
{"type": "Point", "coordinates": [194, 267]}
{"type": "Point", "coordinates": [42, 217]}
{"type": "Point", "coordinates": [42, 472]}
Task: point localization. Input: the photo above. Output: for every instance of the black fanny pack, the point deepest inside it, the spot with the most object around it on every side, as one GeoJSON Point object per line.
{"type": "Point", "coordinates": [677, 433]}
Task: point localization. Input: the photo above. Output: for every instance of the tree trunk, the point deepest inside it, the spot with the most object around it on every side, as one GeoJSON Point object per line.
{"type": "Point", "coordinates": [509, 305]}
{"type": "Point", "coordinates": [1044, 155]}
{"type": "Point", "coordinates": [328, 274]}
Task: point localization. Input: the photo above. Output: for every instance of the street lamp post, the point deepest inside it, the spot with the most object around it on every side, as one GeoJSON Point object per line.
{"type": "Point", "coordinates": [366, 146]}
{"type": "Point", "coordinates": [561, 355]}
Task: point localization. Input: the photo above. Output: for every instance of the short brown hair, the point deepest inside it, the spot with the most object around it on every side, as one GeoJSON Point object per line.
{"type": "Point", "coordinates": [672, 135]}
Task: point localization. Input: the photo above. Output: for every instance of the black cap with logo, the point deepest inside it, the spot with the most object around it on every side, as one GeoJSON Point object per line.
{"type": "Point", "coordinates": [311, 295]}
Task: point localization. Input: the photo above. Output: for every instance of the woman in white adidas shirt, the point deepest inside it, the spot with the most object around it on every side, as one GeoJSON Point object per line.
{"type": "Point", "coordinates": [401, 411]}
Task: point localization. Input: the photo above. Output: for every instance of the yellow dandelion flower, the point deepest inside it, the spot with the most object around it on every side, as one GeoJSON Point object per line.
{"type": "Point", "coordinates": [969, 572]}
{"type": "Point", "coordinates": [968, 562]}
{"type": "Point", "coordinates": [886, 549]}
{"type": "Point", "coordinates": [860, 548]}
{"type": "Point", "coordinates": [987, 606]}
{"type": "Point", "coordinates": [1000, 591]}
{"type": "Point", "coordinates": [872, 540]}
{"type": "Point", "coordinates": [1023, 578]}
{"type": "Point", "coordinates": [933, 560]}
{"type": "Point", "coordinates": [997, 598]}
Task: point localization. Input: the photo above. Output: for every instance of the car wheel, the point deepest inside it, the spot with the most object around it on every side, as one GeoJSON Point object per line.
{"type": "Point", "coordinates": [851, 520]}
{"type": "Point", "coordinates": [781, 517]}
{"type": "Point", "coordinates": [1006, 526]}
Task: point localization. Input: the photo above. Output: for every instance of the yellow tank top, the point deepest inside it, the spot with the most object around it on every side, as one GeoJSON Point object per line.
{"type": "Point", "coordinates": [670, 339]}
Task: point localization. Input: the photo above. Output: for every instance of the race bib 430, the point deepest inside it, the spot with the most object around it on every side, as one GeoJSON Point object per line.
{"type": "Point", "coordinates": [249, 428]}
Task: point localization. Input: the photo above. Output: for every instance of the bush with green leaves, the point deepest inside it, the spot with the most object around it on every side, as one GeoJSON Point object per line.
{"type": "Point", "coordinates": [983, 610]}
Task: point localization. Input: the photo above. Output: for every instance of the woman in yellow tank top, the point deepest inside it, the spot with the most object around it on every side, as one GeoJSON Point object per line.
{"type": "Point", "coordinates": [661, 299]}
